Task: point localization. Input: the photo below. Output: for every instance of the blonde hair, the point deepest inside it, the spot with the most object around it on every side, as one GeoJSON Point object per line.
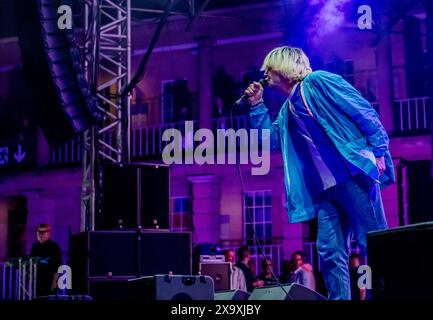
{"type": "Point", "coordinates": [290, 62]}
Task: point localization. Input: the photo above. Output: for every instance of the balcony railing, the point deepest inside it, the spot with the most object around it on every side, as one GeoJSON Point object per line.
{"type": "Point", "coordinates": [411, 117]}
{"type": "Point", "coordinates": [146, 142]}
{"type": "Point", "coordinates": [68, 153]}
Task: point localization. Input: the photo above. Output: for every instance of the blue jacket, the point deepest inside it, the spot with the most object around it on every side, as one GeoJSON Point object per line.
{"type": "Point", "coordinates": [347, 118]}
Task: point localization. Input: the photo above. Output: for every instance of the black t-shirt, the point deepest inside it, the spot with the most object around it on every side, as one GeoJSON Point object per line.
{"type": "Point", "coordinates": [50, 253]}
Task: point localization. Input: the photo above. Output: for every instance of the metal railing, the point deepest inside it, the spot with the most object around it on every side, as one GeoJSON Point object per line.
{"type": "Point", "coordinates": [67, 153]}
{"type": "Point", "coordinates": [412, 116]}
{"type": "Point", "coordinates": [147, 141]}
{"type": "Point", "coordinates": [18, 279]}
{"type": "Point", "coordinates": [9, 281]}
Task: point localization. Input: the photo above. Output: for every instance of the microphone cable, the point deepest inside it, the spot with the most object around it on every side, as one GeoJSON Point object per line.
{"type": "Point", "coordinates": [244, 196]}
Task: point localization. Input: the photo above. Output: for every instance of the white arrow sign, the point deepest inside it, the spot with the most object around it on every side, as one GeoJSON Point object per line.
{"type": "Point", "coordinates": [20, 155]}
{"type": "Point", "coordinates": [4, 155]}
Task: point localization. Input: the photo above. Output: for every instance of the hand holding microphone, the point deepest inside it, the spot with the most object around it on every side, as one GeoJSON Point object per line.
{"type": "Point", "coordinates": [253, 95]}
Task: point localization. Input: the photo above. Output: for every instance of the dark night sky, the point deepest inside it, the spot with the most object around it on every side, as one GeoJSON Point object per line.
{"type": "Point", "coordinates": [8, 25]}
{"type": "Point", "coordinates": [7, 22]}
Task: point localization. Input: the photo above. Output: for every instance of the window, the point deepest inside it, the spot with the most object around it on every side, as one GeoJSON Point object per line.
{"type": "Point", "coordinates": [272, 253]}
{"type": "Point", "coordinates": [176, 101]}
{"type": "Point", "coordinates": [258, 217]}
{"type": "Point", "coordinates": [167, 101]}
{"type": "Point", "coordinates": [180, 215]}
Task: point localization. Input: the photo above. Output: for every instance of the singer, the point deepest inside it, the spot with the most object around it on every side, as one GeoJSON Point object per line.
{"type": "Point", "coordinates": [335, 153]}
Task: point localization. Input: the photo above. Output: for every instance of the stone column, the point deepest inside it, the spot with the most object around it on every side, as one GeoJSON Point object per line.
{"type": "Point", "coordinates": [292, 233]}
{"type": "Point", "coordinates": [4, 217]}
{"type": "Point", "coordinates": [204, 78]}
{"type": "Point", "coordinates": [390, 198]}
{"type": "Point", "coordinates": [385, 79]}
{"type": "Point", "coordinates": [206, 195]}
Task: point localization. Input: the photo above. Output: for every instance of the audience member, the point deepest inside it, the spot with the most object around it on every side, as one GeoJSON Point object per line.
{"type": "Point", "coordinates": [51, 259]}
{"type": "Point", "coordinates": [354, 263]}
{"type": "Point", "coordinates": [302, 272]}
{"type": "Point", "coordinates": [237, 278]}
{"type": "Point", "coordinates": [243, 258]}
{"type": "Point", "coordinates": [267, 275]}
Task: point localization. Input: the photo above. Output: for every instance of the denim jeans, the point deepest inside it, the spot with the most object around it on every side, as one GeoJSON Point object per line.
{"type": "Point", "coordinates": [350, 208]}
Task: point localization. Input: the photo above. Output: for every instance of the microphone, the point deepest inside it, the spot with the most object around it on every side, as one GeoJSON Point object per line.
{"type": "Point", "coordinates": [244, 97]}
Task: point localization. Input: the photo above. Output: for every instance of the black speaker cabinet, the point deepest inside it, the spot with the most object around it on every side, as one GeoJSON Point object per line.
{"type": "Point", "coordinates": [285, 292]}
{"type": "Point", "coordinates": [53, 68]}
{"type": "Point", "coordinates": [108, 289]}
{"type": "Point", "coordinates": [171, 287]}
{"type": "Point", "coordinates": [401, 262]}
{"type": "Point", "coordinates": [134, 195]}
{"type": "Point", "coordinates": [105, 255]}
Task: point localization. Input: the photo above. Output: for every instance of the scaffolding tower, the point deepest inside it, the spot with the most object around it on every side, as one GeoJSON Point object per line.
{"type": "Point", "coordinates": [107, 50]}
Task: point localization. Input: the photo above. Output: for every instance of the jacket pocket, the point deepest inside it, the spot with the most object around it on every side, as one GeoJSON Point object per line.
{"type": "Point", "coordinates": [359, 148]}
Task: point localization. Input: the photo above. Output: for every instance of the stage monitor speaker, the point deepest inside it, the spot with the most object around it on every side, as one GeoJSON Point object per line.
{"type": "Point", "coordinates": [220, 272]}
{"type": "Point", "coordinates": [53, 68]}
{"type": "Point", "coordinates": [290, 292]}
{"type": "Point", "coordinates": [127, 254]}
{"type": "Point", "coordinates": [395, 256]}
{"type": "Point", "coordinates": [232, 295]}
{"type": "Point", "coordinates": [135, 195]}
{"type": "Point", "coordinates": [171, 287]}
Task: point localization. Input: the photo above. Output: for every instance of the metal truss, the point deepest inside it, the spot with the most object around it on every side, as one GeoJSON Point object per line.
{"type": "Point", "coordinates": [27, 277]}
{"type": "Point", "coordinates": [107, 48]}
{"type": "Point", "coordinates": [107, 51]}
